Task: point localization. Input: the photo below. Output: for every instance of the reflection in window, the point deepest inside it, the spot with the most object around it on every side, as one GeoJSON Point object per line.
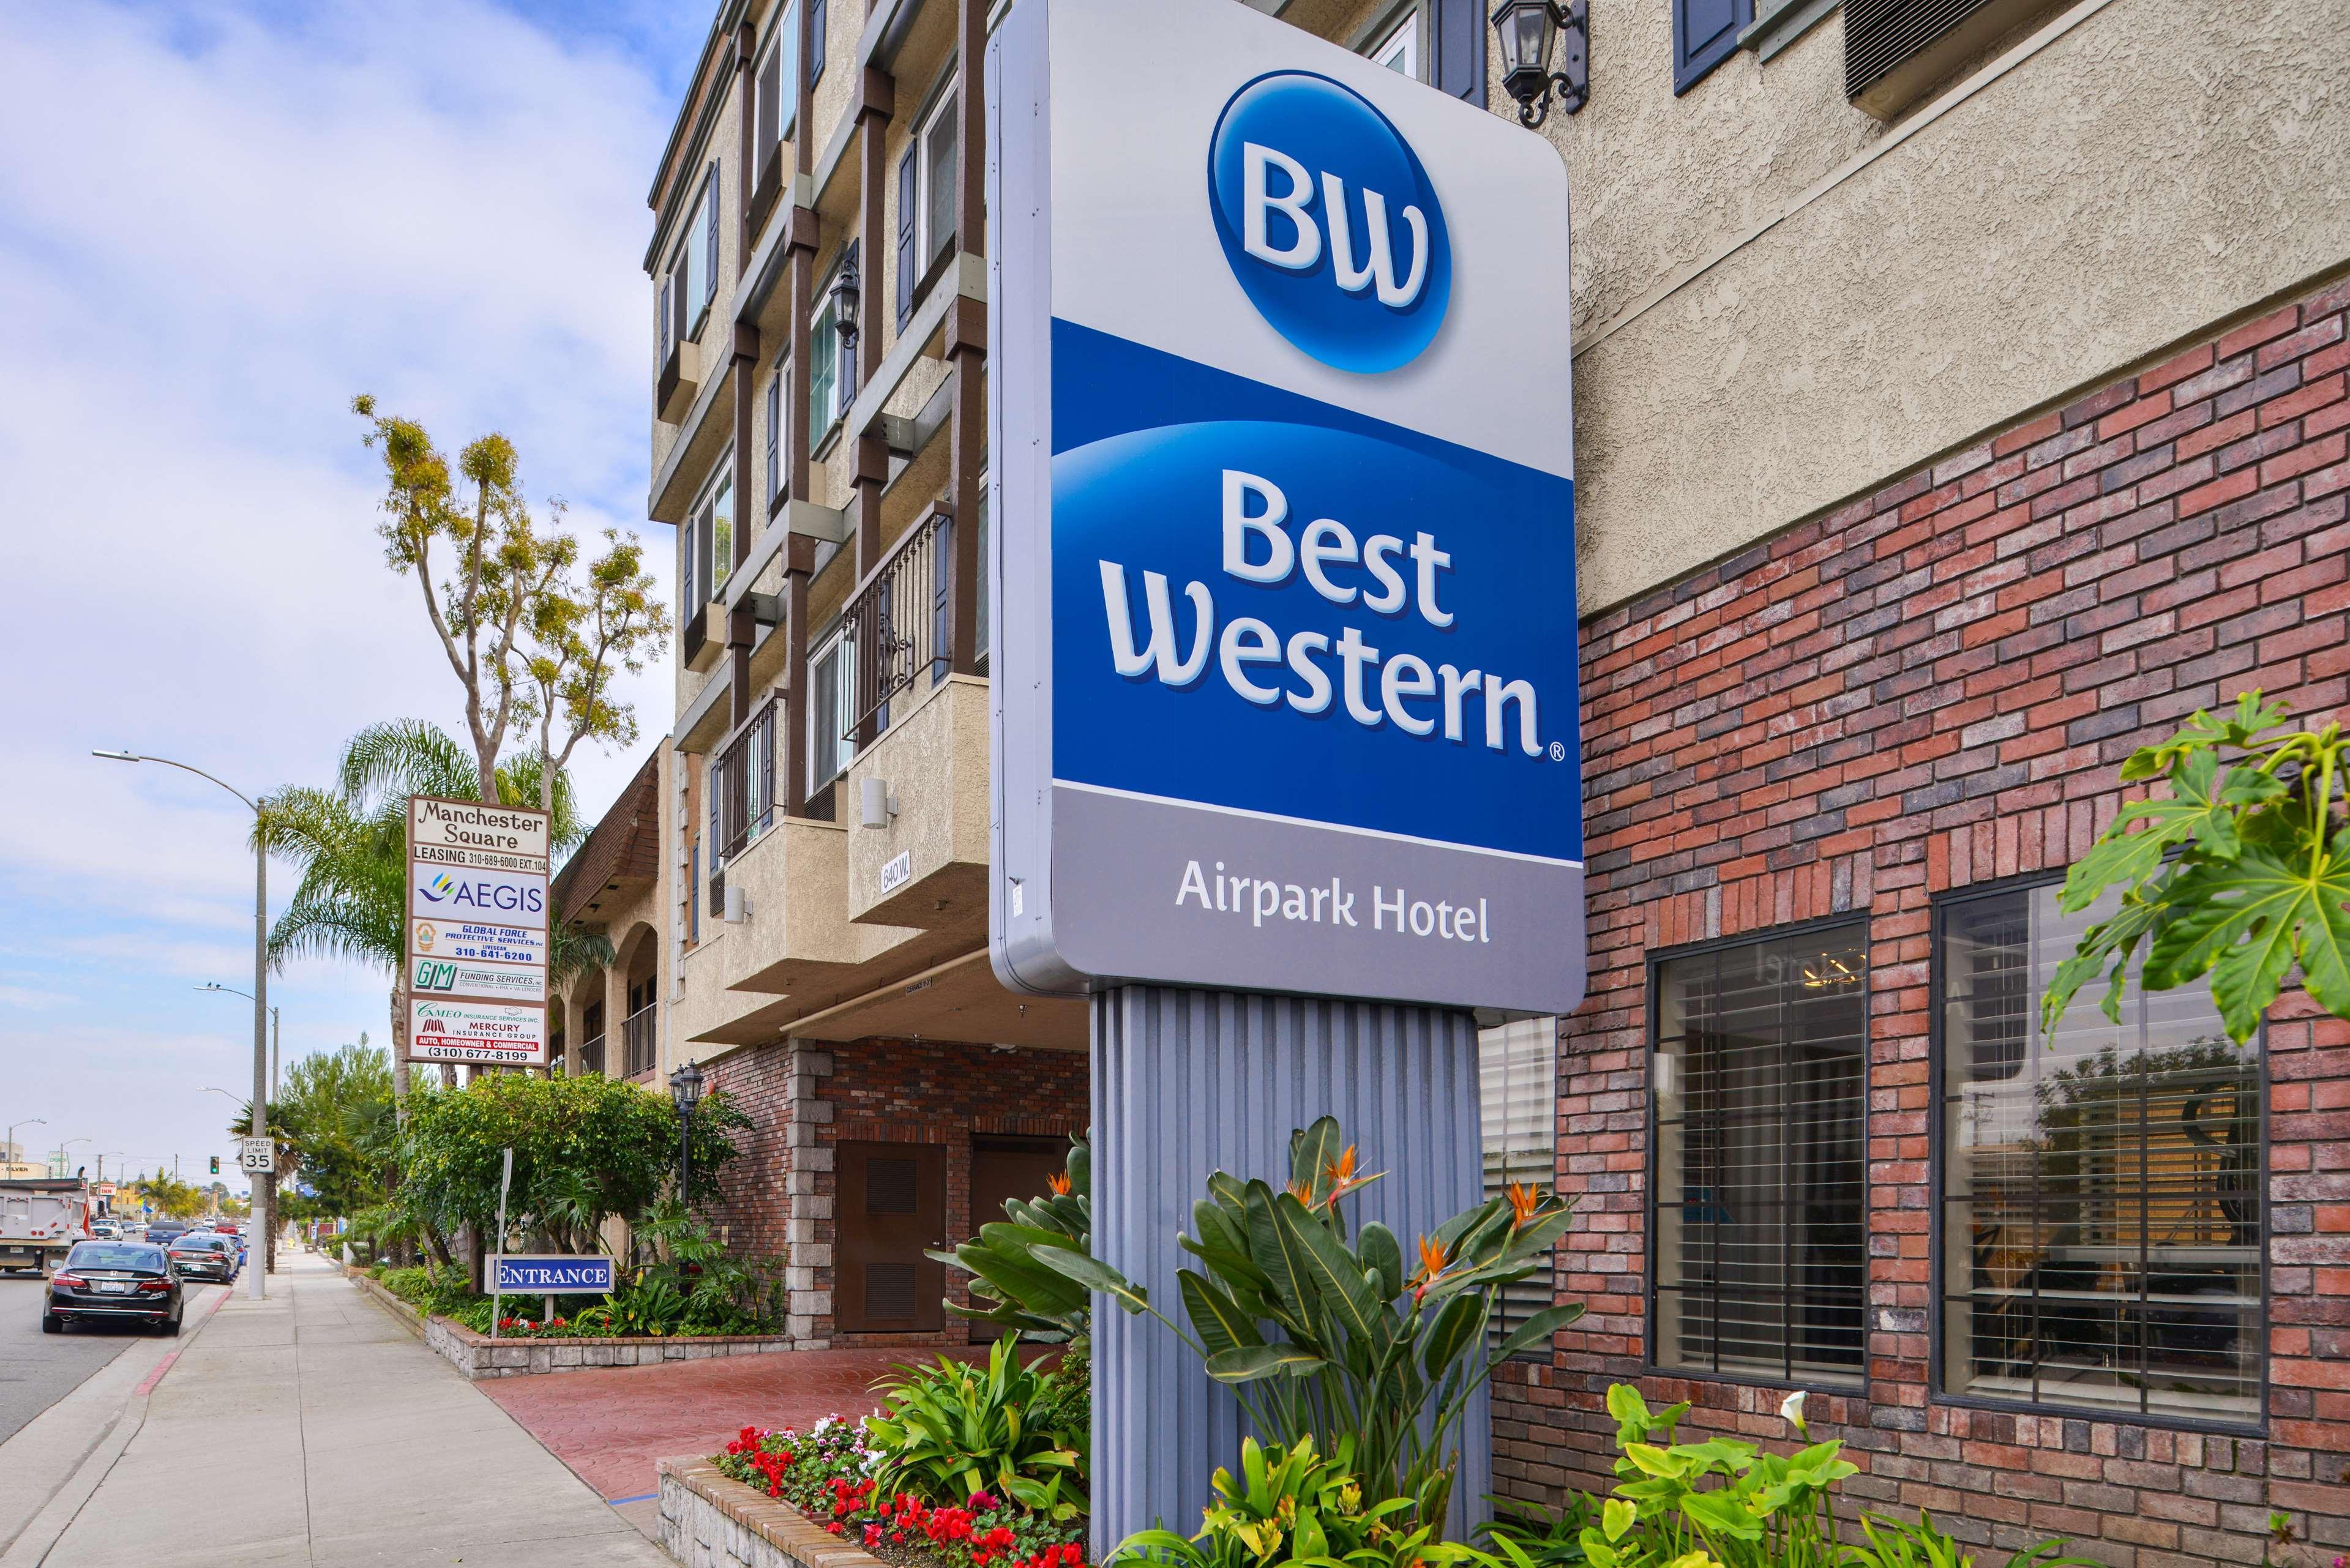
{"type": "Point", "coordinates": [1517, 1078]}
{"type": "Point", "coordinates": [2101, 1229]}
{"type": "Point", "coordinates": [1760, 1078]}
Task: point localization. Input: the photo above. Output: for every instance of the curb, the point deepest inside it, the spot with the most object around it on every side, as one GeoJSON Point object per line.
{"type": "Point", "coordinates": [47, 1527]}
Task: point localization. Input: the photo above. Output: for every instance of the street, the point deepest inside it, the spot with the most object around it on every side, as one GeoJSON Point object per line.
{"type": "Point", "coordinates": [38, 1369]}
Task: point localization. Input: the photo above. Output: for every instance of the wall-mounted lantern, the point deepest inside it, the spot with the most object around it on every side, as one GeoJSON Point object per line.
{"type": "Point", "coordinates": [844, 320]}
{"type": "Point", "coordinates": [1529, 30]}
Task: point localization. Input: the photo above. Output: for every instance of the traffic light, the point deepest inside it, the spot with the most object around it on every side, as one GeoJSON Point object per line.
{"type": "Point", "coordinates": [215, 1165]}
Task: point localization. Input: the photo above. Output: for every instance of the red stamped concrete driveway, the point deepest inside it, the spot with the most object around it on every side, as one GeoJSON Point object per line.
{"type": "Point", "coordinates": [611, 1424]}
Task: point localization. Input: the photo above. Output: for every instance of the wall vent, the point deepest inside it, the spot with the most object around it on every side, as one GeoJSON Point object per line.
{"type": "Point", "coordinates": [1898, 51]}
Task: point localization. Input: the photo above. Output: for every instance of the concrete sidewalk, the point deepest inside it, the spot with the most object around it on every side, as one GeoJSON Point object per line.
{"type": "Point", "coordinates": [312, 1429]}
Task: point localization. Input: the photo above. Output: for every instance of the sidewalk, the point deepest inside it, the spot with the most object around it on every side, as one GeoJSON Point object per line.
{"type": "Point", "coordinates": [312, 1428]}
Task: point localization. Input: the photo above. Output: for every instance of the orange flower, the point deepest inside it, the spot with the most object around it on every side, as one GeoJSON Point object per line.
{"type": "Point", "coordinates": [1301, 1190]}
{"type": "Point", "coordinates": [1340, 1175]}
{"type": "Point", "coordinates": [1525, 1198]}
{"type": "Point", "coordinates": [1059, 1182]}
{"type": "Point", "coordinates": [1432, 1263]}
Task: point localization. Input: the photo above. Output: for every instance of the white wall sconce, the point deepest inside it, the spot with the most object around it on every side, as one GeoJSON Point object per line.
{"type": "Point", "coordinates": [879, 804]}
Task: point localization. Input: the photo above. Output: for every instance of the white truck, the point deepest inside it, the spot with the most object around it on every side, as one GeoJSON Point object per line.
{"type": "Point", "coordinates": [41, 1219]}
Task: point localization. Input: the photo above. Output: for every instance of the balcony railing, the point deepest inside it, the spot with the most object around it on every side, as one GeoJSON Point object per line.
{"type": "Point", "coordinates": [742, 797]}
{"type": "Point", "coordinates": [591, 1054]}
{"type": "Point", "coordinates": [639, 1040]}
{"type": "Point", "coordinates": [897, 623]}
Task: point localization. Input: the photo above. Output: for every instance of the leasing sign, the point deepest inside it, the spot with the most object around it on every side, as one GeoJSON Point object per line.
{"type": "Point", "coordinates": [478, 923]}
{"type": "Point", "coordinates": [1284, 502]}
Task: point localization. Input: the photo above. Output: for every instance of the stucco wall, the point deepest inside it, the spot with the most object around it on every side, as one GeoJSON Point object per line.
{"type": "Point", "coordinates": [1778, 304]}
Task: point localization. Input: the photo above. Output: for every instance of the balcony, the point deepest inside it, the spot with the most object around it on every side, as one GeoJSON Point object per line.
{"type": "Point", "coordinates": [922, 732]}
{"type": "Point", "coordinates": [673, 393]}
{"type": "Point", "coordinates": [742, 798]}
{"type": "Point", "coordinates": [591, 1054]}
{"type": "Point", "coordinates": [640, 1040]}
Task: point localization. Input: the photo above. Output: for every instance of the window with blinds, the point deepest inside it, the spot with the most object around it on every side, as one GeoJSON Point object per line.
{"type": "Point", "coordinates": [1757, 1225]}
{"type": "Point", "coordinates": [2101, 1224]}
{"type": "Point", "coordinates": [1517, 1087]}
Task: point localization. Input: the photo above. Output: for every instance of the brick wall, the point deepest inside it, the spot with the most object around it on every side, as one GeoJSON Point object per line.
{"type": "Point", "coordinates": [805, 1101]}
{"type": "Point", "coordinates": [1927, 688]}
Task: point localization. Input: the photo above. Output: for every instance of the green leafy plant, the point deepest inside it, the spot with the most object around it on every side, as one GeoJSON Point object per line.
{"type": "Point", "coordinates": [2240, 871]}
{"type": "Point", "coordinates": [1897, 1543]}
{"type": "Point", "coordinates": [1528, 1535]}
{"type": "Point", "coordinates": [1291, 1504]}
{"type": "Point", "coordinates": [723, 1294]}
{"type": "Point", "coordinates": [1323, 1336]}
{"type": "Point", "coordinates": [1003, 1260]}
{"type": "Point", "coordinates": [957, 1430]}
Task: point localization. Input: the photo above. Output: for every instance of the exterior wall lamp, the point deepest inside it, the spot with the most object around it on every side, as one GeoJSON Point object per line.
{"type": "Point", "coordinates": [685, 1088]}
{"type": "Point", "coordinates": [844, 318]}
{"type": "Point", "coordinates": [1529, 30]}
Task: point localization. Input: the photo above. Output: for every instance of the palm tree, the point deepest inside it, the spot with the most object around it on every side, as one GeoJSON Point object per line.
{"type": "Point", "coordinates": [351, 842]}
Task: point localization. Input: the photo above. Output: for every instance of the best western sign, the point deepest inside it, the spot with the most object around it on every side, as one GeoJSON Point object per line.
{"type": "Point", "coordinates": [1284, 502]}
{"type": "Point", "coordinates": [477, 933]}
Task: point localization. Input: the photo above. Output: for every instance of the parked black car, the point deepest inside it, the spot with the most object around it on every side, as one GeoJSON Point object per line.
{"type": "Point", "coordinates": [206, 1256]}
{"type": "Point", "coordinates": [114, 1282]}
{"type": "Point", "coordinates": [163, 1232]}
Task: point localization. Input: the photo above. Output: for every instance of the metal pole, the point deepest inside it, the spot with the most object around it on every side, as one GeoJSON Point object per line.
{"type": "Point", "coordinates": [505, 1179]}
{"type": "Point", "coordinates": [257, 1288]}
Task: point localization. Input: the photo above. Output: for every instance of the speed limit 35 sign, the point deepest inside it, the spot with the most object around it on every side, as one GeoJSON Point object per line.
{"type": "Point", "coordinates": [257, 1155]}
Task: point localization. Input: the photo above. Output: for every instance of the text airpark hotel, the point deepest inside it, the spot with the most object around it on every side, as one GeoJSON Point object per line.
{"type": "Point", "coordinates": [1954, 411]}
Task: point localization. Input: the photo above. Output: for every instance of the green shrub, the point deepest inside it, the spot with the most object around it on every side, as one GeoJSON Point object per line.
{"type": "Point", "coordinates": [1029, 1296]}
{"type": "Point", "coordinates": [1541, 1537]}
{"type": "Point", "coordinates": [1323, 1337]}
{"type": "Point", "coordinates": [1291, 1505]}
{"type": "Point", "coordinates": [953, 1430]}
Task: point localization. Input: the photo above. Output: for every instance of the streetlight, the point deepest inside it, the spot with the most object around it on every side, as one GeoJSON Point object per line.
{"type": "Point", "coordinates": [277, 1036]}
{"type": "Point", "coordinates": [256, 1290]}
{"type": "Point", "coordinates": [15, 1154]}
{"type": "Point", "coordinates": [685, 1088]}
{"type": "Point", "coordinates": [1528, 29]}
{"type": "Point", "coordinates": [61, 1152]}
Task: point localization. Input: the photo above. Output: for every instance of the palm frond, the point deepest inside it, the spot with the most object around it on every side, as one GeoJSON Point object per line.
{"type": "Point", "coordinates": [403, 757]}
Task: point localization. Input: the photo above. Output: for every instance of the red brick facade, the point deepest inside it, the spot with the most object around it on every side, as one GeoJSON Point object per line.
{"type": "Point", "coordinates": [878, 1091]}
{"type": "Point", "coordinates": [1927, 689]}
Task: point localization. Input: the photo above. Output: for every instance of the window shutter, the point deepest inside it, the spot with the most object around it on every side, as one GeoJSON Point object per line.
{"type": "Point", "coordinates": [710, 237]}
{"type": "Point", "coordinates": [1459, 34]}
{"type": "Point", "coordinates": [817, 9]}
{"type": "Point", "coordinates": [1705, 32]}
{"type": "Point", "coordinates": [908, 205]}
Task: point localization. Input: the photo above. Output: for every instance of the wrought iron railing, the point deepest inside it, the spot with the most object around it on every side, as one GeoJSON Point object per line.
{"type": "Point", "coordinates": [897, 623]}
{"type": "Point", "coordinates": [742, 797]}
{"type": "Point", "coordinates": [591, 1054]}
{"type": "Point", "coordinates": [638, 1038]}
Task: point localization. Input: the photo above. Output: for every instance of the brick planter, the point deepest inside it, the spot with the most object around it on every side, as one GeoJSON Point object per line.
{"type": "Point", "coordinates": [477, 1356]}
{"type": "Point", "coordinates": [708, 1520]}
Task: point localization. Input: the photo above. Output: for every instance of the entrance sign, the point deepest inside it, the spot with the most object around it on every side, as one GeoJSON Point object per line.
{"type": "Point", "coordinates": [551, 1274]}
{"type": "Point", "coordinates": [1283, 490]}
{"type": "Point", "coordinates": [478, 920]}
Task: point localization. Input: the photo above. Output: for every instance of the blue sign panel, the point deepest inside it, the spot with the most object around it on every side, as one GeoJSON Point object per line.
{"type": "Point", "coordinates": [1282, 503]}
{"type": "Point", "coordinates": [552, 1274]}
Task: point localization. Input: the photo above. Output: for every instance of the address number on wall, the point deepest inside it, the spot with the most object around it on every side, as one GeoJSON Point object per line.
{"type": "Point", "coordinates": [898, 871]}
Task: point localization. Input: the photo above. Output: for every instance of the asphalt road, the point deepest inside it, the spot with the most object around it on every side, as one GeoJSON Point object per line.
{"type": "Point", "coordinates": [38, 1369]}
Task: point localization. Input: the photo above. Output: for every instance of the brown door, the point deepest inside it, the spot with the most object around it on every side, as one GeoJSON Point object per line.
{"type": "Point", "coordinates": [894, 1204]}
{"type": "Point", "coordinates": [1004, 1168]}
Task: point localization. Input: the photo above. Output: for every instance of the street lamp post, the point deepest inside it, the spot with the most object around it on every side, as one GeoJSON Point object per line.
{"type": "Point", "coordinates": [685, 1088]}
{"type": "Point", "coordinates": [16, 1155]}
{"type": "Point", "coordinates": [268, 1239]}
{"type": "Point", "coordinates": [61, 1152]}
{"type": "Point", "coordinates": [277, 1031]}
{"type": "Point", "coordinates": [256, 1289]}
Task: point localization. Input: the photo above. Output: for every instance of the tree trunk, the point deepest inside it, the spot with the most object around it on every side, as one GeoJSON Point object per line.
{"type": "Point", "coordinates": [399, 1045]}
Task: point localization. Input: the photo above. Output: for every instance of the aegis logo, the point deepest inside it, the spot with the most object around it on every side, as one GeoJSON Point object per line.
{"type": "Point", "coordinates": [1329, 222]}
{"type": "Point", "coordinates": [440, 887]}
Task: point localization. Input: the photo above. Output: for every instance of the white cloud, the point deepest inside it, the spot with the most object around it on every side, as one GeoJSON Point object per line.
{"type": "Point", "coordinates": [441, 203]}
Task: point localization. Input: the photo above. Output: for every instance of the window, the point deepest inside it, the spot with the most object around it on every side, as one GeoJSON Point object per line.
{"type": "Point", "coordinates": [1758, 1220]}
{"type": "Point", "coordinates": [663, 323]}
{"type": "Point", "coordinates": [777, 398]}
{"type": "Point", "coordinates": [1517, 1078]}
{"type": "Point", "coordinates": [692, 276]}
{"type": "Point", "coordinates": [1399, 47]}
{"type": "Point", "coordinates": [775, 87]}
{"type": "Point", "coordinates": [816, 19]}
{"type": "Point", "coordinates": [832, 686]}
{"type": "Point", "coordinates": [926, 198]}
{"type": "Point", "coordinates": [824, 366]}
{"type": "Point", "coordinates": [2101, 1187]}
{"type": "Point", "coordinates": [709, 541]}
{"type": "Point", "coordinates": [979, 589]}
{"type": "Point", "coordinates": [1705, 34]}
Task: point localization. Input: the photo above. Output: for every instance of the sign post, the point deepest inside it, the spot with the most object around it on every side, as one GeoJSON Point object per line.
{"type": "Point", "coordinates": [477, 929]}
{"type": "Point", "coordinates": [505, 1180]}
{"type": "Point", "coordinates": [1286, 763]}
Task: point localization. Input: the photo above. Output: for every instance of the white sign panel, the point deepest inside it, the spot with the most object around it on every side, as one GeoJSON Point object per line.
{"type": "Point", "coordinates": [496, 1033]}
{"type": "Point", "coordinates": [464, 825]}
{"type": "Point", "coordinates": [476, 943]}
{"type": "Point", "coordinates": [462, 893]}
{"type": "Point", "coordinates": [1286, 677]}
{"type": "Point", "coordinates": [458, 977]}
{"type": "Point", "coordinates": [257, 1157]}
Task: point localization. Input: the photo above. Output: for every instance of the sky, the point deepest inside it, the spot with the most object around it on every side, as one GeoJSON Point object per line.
{"type": "Point", "coordinates": [219, 222]}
